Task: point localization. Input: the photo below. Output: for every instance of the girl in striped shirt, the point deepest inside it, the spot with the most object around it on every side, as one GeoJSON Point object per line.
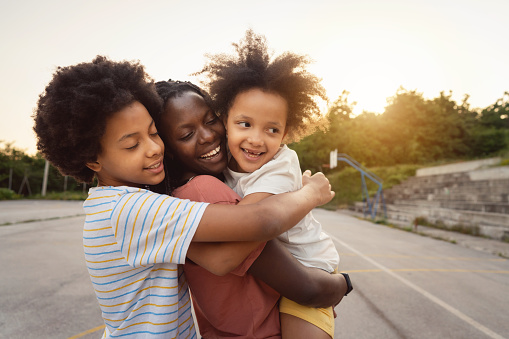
{"type": "Point", "coordinates": [93, 122]}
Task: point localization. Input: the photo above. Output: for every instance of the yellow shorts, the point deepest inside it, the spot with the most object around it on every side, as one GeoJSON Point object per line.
{"type": "Point", "coordinates": [321, 317]}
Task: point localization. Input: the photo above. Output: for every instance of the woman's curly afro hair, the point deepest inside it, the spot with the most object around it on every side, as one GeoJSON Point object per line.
{"type": "Point", "coordinates": [172, 89]}
{"type": "Point", "coordinates": [71, 114]}
{"type": "Point", "coordinates": [252, 67]}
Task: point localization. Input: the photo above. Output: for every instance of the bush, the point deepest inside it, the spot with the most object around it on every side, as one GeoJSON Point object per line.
{"type": "Point", "coordinates": [7, 194]}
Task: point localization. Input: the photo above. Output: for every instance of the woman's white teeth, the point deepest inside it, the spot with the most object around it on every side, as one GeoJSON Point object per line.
{"type": "Point", "coordinates": [211, 153]}
{"type": "Point", "coordinates": [154, 166]}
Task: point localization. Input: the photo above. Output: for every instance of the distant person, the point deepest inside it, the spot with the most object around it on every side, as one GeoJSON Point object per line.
{"type": "Point", "coordinates": [93, 121]}
{"type": "Point", "coordinates": [264, 101]}
{"type": "Point", "coordinates": [244, 302]}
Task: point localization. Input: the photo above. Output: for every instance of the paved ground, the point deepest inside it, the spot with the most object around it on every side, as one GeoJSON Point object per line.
{"type": "Point", "coordinates": [406, 285]}
{"type": "Point", "coordinates": [18, 211]}
{"type": "Point", "coordinates": [495, 247]}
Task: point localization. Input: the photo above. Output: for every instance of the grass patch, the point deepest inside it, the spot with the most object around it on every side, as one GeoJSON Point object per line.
{"type": "Point", "coordinates": [67, 195]}
{"type": "Point", "coordinates": [347, 182]}
{"type": "Point", "coordinates": [7, 194]}
{"type": "Point", "coordinates": [459, 228]}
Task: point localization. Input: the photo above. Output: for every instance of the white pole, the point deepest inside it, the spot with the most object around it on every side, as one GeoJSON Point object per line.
{"type": "Point", "coordinates": [45, 178]}
{"type": "Point", "coordinates": [10, 178]}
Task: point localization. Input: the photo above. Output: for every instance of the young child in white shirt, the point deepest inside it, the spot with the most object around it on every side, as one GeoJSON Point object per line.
{"type": "Point", "coordinates": [264, 103]}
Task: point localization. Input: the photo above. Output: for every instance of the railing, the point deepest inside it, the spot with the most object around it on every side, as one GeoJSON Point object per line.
{"type": "Point", "coordinates": [371, 205]}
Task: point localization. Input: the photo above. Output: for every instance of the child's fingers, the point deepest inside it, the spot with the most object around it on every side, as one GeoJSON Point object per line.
{"type": "Point", "coordinates": [307, 173]}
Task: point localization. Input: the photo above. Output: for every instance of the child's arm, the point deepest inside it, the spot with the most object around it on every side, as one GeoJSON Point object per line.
{"type": "Point", "coordinates": [222, 258]}
{"type": "Point", "coordinates": [305, 285]}
{"type": "Point", "coordinates": [266, 219]}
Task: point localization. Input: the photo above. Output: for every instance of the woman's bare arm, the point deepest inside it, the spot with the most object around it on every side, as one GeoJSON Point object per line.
{"type": "Point", "coordinates": [305, 285]}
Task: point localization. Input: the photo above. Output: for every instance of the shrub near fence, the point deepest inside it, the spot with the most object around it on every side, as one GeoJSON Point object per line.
{"type": "Point", "coordinates": [23, 174]}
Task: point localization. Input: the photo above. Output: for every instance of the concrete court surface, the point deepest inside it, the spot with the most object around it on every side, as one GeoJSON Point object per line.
{"type": "Point", "coordinates": [405, 285]}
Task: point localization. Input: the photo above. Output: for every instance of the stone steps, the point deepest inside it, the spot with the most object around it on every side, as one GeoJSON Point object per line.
{"type": "Point", "coordinates": [465, 194]}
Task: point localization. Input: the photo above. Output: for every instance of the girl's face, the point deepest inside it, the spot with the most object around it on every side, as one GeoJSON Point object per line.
{"type": "Point", "coordinates": [194, 135]}
{"type": "Point", "coordinates": [131, 150]}
{"type": "Point", "coordinates": [256, 127]}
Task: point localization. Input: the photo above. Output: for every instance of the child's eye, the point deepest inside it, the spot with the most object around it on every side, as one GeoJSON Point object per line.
{"type": "Point", "coordinates": [273, 130]}
{"type": "Point", "coordinates": [244, 124]}
{"type": "Point", "coordinates": [133, 147]}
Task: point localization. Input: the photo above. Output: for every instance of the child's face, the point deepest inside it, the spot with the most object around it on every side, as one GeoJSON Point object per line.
{"type": "Point", "coordinates": [132, 151]}
{"type": "Point", "coordinates": [194, 135]}
{"type": "Point", "coordinates": [256, 126]}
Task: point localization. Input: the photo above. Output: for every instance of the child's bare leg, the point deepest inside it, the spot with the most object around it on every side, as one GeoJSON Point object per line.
{"type": "Point", "coordinates": [297, 328]}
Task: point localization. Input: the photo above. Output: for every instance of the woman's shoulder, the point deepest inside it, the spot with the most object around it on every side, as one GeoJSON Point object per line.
{"type": "Point", "coordinates": [207, 188]}
{"type": "Point", "coordinates": [206, 179]}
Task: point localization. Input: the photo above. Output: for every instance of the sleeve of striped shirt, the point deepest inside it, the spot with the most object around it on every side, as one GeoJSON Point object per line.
{"type": "Point", "coordinates": [153, 228]}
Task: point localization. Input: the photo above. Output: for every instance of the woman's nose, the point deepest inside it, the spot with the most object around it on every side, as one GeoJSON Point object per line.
{"type": "Point", "coordinates": [206, 135]}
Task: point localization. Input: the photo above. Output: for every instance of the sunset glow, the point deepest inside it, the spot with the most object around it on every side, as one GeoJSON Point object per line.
{"type": "Point", "coordinates": [368, 48]}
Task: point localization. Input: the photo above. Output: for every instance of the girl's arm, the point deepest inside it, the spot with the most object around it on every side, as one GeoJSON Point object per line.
{"type": "Point", "coordinates": [305, 285]}
{"type": "Point", "coordinates": [266, 219]}
{"type": "Point", "coordinates": [220, 258]}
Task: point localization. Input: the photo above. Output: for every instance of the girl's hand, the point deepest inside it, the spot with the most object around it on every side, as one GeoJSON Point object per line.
{"type": "Point", "coordinates": [320, 186]}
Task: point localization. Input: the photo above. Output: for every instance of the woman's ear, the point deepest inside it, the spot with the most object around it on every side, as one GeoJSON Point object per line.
{"type": "Point", "coordinates": [94, 166]}
{"type": "Point", "coordinates": [168, 154]}
{"type": "Point", "coordinates": [224, 119]}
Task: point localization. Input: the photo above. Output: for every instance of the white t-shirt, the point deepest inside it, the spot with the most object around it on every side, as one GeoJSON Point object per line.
{"type": "Point", "coordinates": [306, 240]}
{"type": "Point", "coordinates": [134, 240]}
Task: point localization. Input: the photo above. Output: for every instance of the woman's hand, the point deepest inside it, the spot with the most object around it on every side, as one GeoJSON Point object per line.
{"type": "Point", "coordinates": [319, 186]}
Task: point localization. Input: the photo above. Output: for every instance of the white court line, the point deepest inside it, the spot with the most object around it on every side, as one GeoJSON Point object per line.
{"type": "Point", "coordinates": [426, 294]}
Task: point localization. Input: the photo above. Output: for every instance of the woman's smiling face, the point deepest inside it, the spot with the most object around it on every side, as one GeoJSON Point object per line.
{"type": "Point", "coordinates": [194, 135]}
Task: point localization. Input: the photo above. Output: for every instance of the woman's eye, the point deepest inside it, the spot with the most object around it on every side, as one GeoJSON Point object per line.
{"type": "Point", "coordinates": [186, 136]}
{"type": "Point", "coordinates": [212, 121]}
{"type": "Point", "coordinates": [154, 134]}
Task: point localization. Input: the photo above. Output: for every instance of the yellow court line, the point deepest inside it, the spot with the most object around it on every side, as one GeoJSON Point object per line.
{"type": "Point", "coordinates": [428, 270]}
{"type": "Point", "coordinates": [379, 255]}
{"type": "Point", "coordinates": [92, 330]}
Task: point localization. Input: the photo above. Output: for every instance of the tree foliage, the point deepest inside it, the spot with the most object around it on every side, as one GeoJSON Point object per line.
{"type": "Point", "coordinates": [411, 130]}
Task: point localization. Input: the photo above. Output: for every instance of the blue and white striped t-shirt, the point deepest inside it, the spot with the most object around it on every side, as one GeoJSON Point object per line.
{"type": "Point", "coordinates": [134, 240]}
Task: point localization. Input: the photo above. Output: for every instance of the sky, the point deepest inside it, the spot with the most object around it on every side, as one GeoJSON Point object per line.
{"type": "Point", "coordinates": [369, 48]}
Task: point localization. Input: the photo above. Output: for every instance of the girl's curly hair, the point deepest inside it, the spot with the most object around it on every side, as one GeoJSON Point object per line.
{"type": "Point", "coordinates": [71, 114]}
{"type": "Point", "coordinates": [286, 75]}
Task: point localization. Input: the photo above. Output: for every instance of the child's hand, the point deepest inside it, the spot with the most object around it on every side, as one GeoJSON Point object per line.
{"type": "Point", "coordinates": [320, 184]}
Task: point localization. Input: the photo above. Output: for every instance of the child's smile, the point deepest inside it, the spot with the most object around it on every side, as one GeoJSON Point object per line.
{"type": "Point", "coordinates": [256, 127]}
{"type": "Point", "coordinates": [252, 154]}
